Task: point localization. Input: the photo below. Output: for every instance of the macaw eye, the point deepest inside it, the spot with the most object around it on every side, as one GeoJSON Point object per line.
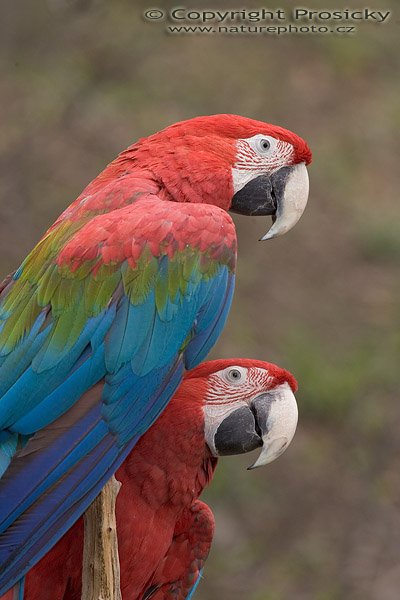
{"type": "Point", "coordinates": [265, 144]}
{"type": "Point", "coordinates": [235, 375]}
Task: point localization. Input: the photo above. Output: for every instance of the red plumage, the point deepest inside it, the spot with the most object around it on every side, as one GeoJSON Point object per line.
{"type": "Point", "coordinates": [190, 161]}
{"type": "Point", "coordinates": [147, 222]}
{"type": "Point", "coordinates": [82, 260]}
{"type": "Point", "coordinates": [164, 531]}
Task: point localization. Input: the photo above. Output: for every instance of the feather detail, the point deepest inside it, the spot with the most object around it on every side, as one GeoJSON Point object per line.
{"type": "Point", "coordinates": [116, 301]}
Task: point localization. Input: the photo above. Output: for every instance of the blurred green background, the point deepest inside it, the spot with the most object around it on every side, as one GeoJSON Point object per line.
{"type": "Point", "coordinates": [82, 79]}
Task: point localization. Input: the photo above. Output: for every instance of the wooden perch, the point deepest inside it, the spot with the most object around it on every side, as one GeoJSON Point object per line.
{"type": "Point", "coordinates": [101, 575]}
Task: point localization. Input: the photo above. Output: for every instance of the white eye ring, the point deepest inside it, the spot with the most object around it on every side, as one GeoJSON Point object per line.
{"type": "Point", "coordinates": [263, 144]}
{"type": "Point", "coordinates": [235, 375]}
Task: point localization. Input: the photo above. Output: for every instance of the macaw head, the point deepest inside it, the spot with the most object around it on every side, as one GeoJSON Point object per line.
{"type": "Point", "coordinates": [247, 404]}
{"type": "Point", "coordinates": [242, 165]}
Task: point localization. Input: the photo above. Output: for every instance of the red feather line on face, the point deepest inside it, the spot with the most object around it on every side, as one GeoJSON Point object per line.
{"type": "Point", "coordinates": [248, 160]}
{"type": "Point", "coordinates": [258, 381]}
{"type": "Point", "coordinates": [277, 374]}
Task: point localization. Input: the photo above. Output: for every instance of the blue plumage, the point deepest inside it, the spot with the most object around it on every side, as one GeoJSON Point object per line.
{"type": "Point", "coordinates": [195, 586]}
{"type": "Point", "coordinates": [74, 400]}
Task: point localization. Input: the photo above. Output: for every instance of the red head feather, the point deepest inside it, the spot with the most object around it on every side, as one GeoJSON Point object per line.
{"type": "Point", "coordinates": [278, 374]}
{"type": "Point", "coordinates": [193, 159]}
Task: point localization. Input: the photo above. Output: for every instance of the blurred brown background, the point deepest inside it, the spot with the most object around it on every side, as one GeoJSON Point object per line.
{"type": "Point", "coordinates": [82, 79]}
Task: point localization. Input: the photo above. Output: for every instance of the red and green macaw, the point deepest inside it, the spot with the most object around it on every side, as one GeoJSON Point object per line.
{"type": "Point", "coordinates": [164, 532]}
{"type": "Point", "coordinates": [129, 287]}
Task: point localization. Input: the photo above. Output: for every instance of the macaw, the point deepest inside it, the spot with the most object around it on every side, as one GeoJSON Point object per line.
{"type": "Point", "coordinates": [128, 288]}
{"type": "Point", "coordinates": [222, 407]}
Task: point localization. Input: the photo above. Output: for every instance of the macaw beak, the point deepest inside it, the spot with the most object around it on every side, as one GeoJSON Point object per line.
{"type": "Point", "coordinates": [283, 195]}
{"type": "Point", "coordinates": [276, 415]}
{"type": "Point", "coordinates": [269, 421]}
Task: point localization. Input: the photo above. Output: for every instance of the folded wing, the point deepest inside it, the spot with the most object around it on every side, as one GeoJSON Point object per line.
{"type": "Point", "coordinates": [96, 328]}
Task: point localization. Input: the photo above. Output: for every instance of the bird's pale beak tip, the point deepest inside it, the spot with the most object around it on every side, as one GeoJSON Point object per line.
{"type": "Point", "coordinates": [258, 463]}
{"type": "Point", "coordinates": [252, 467]}
{"type": "Point", "coordinates": [267, 236]}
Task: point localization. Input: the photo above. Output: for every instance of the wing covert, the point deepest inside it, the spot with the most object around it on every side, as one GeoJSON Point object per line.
{"type": "Point", "coordinates": [112, 314]}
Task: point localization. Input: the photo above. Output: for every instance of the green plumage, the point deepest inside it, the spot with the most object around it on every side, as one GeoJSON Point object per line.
{"type": "Point", "coordinates": [78, 291]}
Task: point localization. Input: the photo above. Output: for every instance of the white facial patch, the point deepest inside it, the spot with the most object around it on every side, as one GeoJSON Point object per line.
{"type": "Point", "coordinates": [252, 159]}
{"type": "Point", "coordinates": [226, 394]}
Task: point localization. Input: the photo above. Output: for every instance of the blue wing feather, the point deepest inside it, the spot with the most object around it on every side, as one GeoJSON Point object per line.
{"type": "Point", "coordinates": [86, 407]}
{"type": "Point", "coordinates": [8, 447]}
{"type": "Point", "coordinates": [64, 396]}
{"type": "Point", "coordinates": [72, 494]}
{"type": "Point", "coordinates": [195, 586]}
{"type": "Point", "coordinates": [211, 320]}
{"type": "Point", "coordinates": [14, 364]}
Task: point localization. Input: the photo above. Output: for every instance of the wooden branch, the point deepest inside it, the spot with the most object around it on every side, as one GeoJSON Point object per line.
{"type": "Point", "coordinates": [100, 575]}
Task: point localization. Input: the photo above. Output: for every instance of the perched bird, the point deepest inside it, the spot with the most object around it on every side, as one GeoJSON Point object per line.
{"type": "Point", "coordinates": [164, 532]}
{"type": "Point", "coordinates": [127, 289]}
